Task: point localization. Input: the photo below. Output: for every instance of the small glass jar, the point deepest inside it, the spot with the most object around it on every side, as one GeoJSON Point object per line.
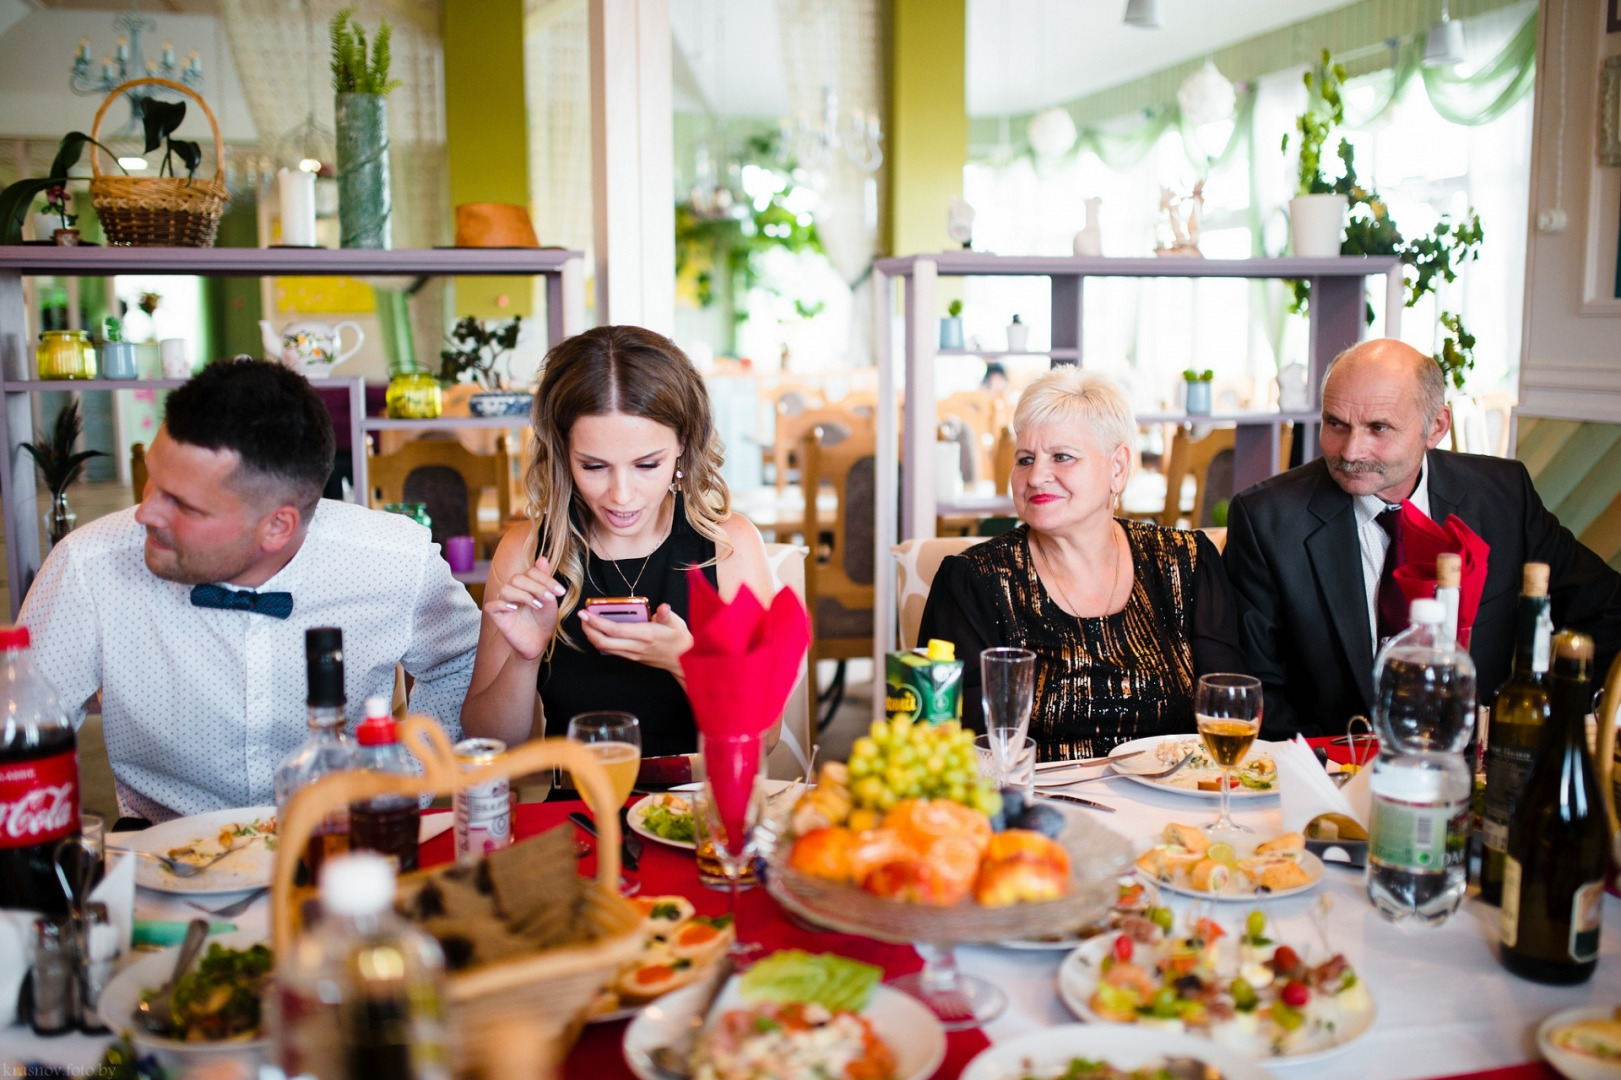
{"type": "Point", "coordinates": [66, 354]}
{"type": "Point", "coordinates": [417, 512]}
{"type": "Point", "coordinates": [414, 395]}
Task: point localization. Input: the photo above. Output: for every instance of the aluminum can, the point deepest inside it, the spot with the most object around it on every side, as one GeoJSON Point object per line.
{"type": "Point", "coordinates": [483, 811]}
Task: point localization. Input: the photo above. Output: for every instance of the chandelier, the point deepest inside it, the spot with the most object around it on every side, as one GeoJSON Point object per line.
{"type": "Point", "coordinates": [128, 62]}
{"type": "Point", "coordinates": [814, 143]}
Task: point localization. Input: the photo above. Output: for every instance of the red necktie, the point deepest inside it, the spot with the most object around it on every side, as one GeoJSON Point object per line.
{"type": "Point", "coordinates": [1392, 603]}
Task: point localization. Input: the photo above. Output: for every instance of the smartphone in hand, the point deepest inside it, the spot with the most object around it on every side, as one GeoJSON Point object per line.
{"type": "Point", "coordinates": [625, 609]}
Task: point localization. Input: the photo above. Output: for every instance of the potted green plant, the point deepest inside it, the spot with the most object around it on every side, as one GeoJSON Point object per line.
{"type": "Point", "coordinates": [16, 200]}
{"type": "Point", "coordinates": [951, 326]}
{"type": "Point", "coordinates": [1317, 212]}
{"type": "Point", "coordinates": [480, 351]}
{"type": "Point", "coordinates": [1196, 398]}
{"type": "Point", "coordinates": [59, 465]}
{"type": "Point", "coordinates": [361, 80]}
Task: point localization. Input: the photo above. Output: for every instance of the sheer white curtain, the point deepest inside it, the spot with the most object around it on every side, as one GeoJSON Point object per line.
{"type": "Point", "coordinates": [557, 86]}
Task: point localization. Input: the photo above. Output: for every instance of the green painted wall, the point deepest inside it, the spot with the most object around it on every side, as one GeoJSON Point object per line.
{"type": "Point", "coordinates": [486, 130]}
{"type": "Point", "coordinates": [928, 120]}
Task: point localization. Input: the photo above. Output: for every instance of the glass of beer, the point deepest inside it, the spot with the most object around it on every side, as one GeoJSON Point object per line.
{"type": "Point", "coordinates": [1227, 709]}
{"type": "Point", "coordinates": [615, 740]}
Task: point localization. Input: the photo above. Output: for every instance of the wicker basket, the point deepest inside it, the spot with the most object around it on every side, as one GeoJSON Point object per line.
{"type": "Point", "coordinates": [517, 1018]}
{"type": "Point", "coordinates": [158, 211]}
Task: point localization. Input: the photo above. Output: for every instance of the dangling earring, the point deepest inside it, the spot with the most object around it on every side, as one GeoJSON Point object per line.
{"type": "Point", "coordinates": [675, 485]}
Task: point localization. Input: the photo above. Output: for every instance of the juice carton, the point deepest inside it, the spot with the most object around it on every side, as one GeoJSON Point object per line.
{"type": "Point", "coordinates": [924, 684]}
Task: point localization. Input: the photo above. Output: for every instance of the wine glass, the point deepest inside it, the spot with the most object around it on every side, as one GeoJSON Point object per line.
{"type": "Point", "coordinates": [726, 814]}
{"type": "Point", "coordinates": [1008, 686]}
{"type": "Point", "coordinates": [615, 740]}
{"type": "Point", "coordinates": [1227, 709]}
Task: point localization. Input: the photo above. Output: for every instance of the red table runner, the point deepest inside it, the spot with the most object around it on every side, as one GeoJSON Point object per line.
{"type": "Point", "coordinates": [666, 870]}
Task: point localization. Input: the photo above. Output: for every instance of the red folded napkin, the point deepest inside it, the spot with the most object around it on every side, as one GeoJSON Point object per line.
{"type": "Point", "coordinates": [1422, 541]}
{"type": "Point", "coordinates": [742, 666]}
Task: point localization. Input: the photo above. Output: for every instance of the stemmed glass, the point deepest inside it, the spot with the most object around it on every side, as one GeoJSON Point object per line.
{"type": "Point", "coordinates": [726, 815]}
{"type": "Point", "coordinates": [1008, 685]}
{"type": "Point", "coordinates": [1227, 709]}
{"type": "Point", "coordinates": [615, 740]}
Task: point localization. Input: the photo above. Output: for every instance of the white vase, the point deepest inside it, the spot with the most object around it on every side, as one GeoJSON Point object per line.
{"type": "Point", "coordinates": [1292, 396]}
{"type": "Point", "coordinates": [1315, 225]}
{"type": "Point", "coordinates": [1018, 337]}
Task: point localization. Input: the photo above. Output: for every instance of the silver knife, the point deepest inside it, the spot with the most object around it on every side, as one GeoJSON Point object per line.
{"type": "Point", "coordinates": [1079, 763]}
{"type": "Point", "coordinates": [1076, 799]}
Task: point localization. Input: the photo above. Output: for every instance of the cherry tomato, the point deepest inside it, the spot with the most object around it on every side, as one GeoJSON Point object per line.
{"type": "Point", "coordinates": [1285, 959]}
{"type": "Point", "coordinates": [1295, 995]}
{"type": "Point", "coordinates": [1123, 949]}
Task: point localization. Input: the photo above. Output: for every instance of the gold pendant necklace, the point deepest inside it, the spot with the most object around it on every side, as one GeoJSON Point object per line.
{"type": "Point", "coordinates": [1114, 580]}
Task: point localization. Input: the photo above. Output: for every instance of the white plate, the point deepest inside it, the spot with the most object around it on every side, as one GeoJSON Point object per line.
{"type": "Point", "coordinates": [249, 868]}
{"type": "Point", "coordinates": [1243, 845]}
{"type": "Point", "coordinates": [1077, 980]}
{"type": "Point", "coordinates": [1576, 1066]}
{"type": "Point", "coordinates": [637, 816]}
{"type": "Point", "coordinates": [1184, 782]}
{"type": "Point", "coordinates": [913, 1034]}
{"type": "Point", "coordinates": [1049, 1052]}
{"type": "Point", "coordinates": [147, 972]}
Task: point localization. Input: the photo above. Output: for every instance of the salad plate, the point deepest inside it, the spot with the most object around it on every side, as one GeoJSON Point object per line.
{"type": "Point", "coordinates": [671, 818]}
{"type": "Point", "coordinates": [1050, 1054]}
{"type": "Point", "coordinates": [1256, 772]}
{"type": "Point", "coordinates": [198, 838]}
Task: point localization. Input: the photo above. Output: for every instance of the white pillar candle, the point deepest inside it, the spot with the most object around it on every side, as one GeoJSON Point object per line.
{"type": "Point", "coordinates": [297, 207]}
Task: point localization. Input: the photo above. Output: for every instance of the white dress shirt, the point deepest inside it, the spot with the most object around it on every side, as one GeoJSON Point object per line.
{"type": "Point", "coordinates": [199, 705]}
{"type": "Point", "coordinates": [1376, 542]}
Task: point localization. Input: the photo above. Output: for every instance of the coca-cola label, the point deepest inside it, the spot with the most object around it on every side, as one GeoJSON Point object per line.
{"type": "Point", "coordinates": [39, 800]}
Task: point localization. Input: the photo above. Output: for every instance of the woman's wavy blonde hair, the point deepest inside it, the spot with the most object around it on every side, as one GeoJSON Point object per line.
{"type": "Point", "coordinates": [617, 369]}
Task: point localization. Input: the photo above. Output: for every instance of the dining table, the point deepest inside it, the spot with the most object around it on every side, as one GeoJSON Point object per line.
{"type": "Point", "coordinates": [1446, 1007]}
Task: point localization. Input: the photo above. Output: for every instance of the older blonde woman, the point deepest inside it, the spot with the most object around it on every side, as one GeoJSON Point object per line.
{"type": "Point", "coordinates": [1123, 616]}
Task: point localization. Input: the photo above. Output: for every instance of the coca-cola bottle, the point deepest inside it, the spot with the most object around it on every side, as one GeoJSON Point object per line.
{"type": "Point", "coordinates": [39, 781]}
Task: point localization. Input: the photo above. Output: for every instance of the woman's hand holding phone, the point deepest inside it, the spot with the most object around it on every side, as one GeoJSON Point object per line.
{"type": "Point", "coordinates": [658, 643]}
{"type": "Point", "coordinates": [524, 609]}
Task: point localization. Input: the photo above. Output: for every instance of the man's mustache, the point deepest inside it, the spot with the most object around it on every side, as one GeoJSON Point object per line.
{"type": "Point", "coordinates": [1356, 468]}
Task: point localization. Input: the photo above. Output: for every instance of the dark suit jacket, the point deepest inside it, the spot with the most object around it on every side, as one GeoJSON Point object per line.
{"type": "Point", "coordinates": [1294, 560]}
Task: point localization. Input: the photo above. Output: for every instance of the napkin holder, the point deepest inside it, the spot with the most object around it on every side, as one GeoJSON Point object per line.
{"type": "Point", "coordinates": [515, 1018]}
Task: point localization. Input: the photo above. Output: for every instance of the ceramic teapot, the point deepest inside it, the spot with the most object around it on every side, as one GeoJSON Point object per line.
{"type": "Point", "coordinates": [312, 349]}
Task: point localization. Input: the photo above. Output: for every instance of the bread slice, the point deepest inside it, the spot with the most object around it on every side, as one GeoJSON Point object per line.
{"type": "Point", "coordinates": [1210, 876]}
{"type": "Point", "coordinates": [1287, 844]}
{"type": "Point", "coordinates": [1275, 872]}
{"type": "Point", "coordinates": [1189, 836]}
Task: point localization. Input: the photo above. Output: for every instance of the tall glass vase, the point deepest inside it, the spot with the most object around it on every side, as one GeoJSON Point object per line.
{"type": "Point", "coordinates": [60, 518]}
{"type": "Point", "coordinates": [364, 204]}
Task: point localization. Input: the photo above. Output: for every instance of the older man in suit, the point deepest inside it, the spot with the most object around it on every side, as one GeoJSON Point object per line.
{"type": "Point", "coordinates": [1307, 550]}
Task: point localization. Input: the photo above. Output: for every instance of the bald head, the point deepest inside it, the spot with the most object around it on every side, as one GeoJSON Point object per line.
{"type": "Point", "coordinates": [1384, 408]}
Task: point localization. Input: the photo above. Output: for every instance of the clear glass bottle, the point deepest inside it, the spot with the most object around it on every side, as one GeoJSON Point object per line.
{"type": "Point", "coordinates": [1424, 687]}
{"type": "Point", "coordinates": [327, 750]}
{"type": "Point", "coordinates": [361, 997]}
{"type": "Point", "coordinates": [386, 824]}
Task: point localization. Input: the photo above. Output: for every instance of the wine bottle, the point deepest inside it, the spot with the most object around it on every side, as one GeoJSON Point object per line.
{"type": "Point", "coordinates": [1558, 838]}
{"type": "Point", "coordinates": [1518, 716]}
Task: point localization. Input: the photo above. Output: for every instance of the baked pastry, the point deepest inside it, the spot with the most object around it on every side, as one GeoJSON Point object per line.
{"type": "Point", "coordinates": [1188, 836]}
{"type": "Point", "coordinates": [1287, 844]}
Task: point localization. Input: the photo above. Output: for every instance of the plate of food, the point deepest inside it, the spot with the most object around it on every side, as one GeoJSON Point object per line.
{"type": "Point", "coordinates": [664, 819]}
{"type": "Point", "coordinates": [249, 833]}
{"type": "Point", "coordinates": [1254, 777]}
{"type": "Point", "coordinates": [1583, 1043]}
{"type": "Point", "coordinates": [806, 1015]}
{"type": "Point", "coordinates": [1090, 1052]}
{"type": "Point", "coordinates": [678, 947]}
{"type": "Point", "coordinates": [1137, 899]}
{"type": "Point", "coordinates": [216, 1004]}
{"type": "Point", "coordinates": [1241, 866]}
{"type": "Point", "coordinates": [1247, 993]}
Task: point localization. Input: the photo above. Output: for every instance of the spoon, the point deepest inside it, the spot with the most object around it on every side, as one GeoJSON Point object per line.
{"type": "Point", "coordinates": [175, 866]}
{"type": "Point", "coordinates": [674, 1060]}
{"type": "Point", "coordinates": [155, 1013]}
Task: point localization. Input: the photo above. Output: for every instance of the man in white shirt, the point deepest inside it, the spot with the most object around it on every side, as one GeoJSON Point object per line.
{"type": "Point", "coordinates": [1307, 550]}
{"type": "Point", "coordinates": [188, 611]}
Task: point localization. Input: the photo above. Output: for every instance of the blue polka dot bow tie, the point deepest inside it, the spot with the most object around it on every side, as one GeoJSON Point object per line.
{"type": "Point", "coordinates": [278, 605]}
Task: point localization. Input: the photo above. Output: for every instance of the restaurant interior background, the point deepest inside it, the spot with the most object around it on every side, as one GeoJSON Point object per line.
{"type": "Point", "coordinates": [783, 145]}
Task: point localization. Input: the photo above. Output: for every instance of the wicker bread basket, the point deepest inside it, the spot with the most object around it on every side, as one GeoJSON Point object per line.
{"type": "Point", "coordinates": [158, 211]}
{"type": "Point", "coordinates": [520, 1017]}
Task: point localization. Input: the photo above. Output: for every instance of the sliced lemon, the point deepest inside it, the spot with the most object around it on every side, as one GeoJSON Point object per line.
{"type": "Point", "coordinates": [1222, 853]}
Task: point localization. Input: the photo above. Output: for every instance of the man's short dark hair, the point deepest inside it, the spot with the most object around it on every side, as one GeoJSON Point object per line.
{"type": "Point", "coordinates": [269, 414]}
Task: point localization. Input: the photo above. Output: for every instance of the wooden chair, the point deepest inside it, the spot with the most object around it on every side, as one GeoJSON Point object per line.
{"type": "Point", "coordinates": [981, 413]}
{"type": "Point", "coordinates": [916, 563]}
{"type": "Point", "coordinates": [424, 462]}
{"type": "Point", "coordinates": [137, 470]}
{"type": "Point", "coordinates": [1002, 461]}
{"type": "Point", "coordinates": [1195, 456]}
{"type": "Point", "coordinates": [792, 431]}
{"type": "Point", "coordinates": [839, 576]}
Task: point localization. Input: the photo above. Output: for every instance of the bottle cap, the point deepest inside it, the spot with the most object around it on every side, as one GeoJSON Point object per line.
{"type": "Point", "coordinates": [1427, 611]}
{"type": "Point", "coordinates": [14, 637]}
{"type": "Point", "coordinates": [1535, 579]}
{"type": "Point", "coordinates": [940, 651]}
{"type": "Point", "coordinates": [378, 729]}
{"type": "Point", "coordinates": [323, 651]}
{"type": "Point", "coordinates": [361, 883]}
{"type": "Point", "coordinates": [1448, 570]}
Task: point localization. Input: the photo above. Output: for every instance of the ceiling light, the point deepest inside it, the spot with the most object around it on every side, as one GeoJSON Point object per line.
{"type": "Point", "coordinates": [1206, 96]}
{"type": "Point", "coordinates": [309, 164]}
{"type": "Point", "coordinates": [1143, 13]}
{"type": "Point", "coordinates": [1051, 132]}
{"type": "Point", "coordinates": [134, 164]}
{"type": "Point", "coordinates": [1443, 46]}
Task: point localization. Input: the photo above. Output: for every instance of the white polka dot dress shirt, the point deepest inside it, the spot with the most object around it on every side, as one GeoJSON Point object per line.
{"type": "Point", "coordinates": [199, 705]}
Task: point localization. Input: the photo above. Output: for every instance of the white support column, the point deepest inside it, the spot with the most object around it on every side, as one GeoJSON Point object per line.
{"type": "Point", "coordinates": [885, 486]}
{"type": "Point", "coordinates": [632, 152]}
{"type": "Point", "coordinates": [922, 341]}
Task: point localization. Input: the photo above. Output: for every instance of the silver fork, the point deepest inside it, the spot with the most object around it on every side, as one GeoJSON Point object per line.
{"type": "Point", "coordinates": [175, 866]}
{"type": "Point", "coordinates": [1161, 775]}
{"type": "Point", "coordinates": [232, 909]}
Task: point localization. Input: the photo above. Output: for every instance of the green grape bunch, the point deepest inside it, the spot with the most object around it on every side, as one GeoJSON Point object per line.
{"type": "Point", "coordinates": [900, 759]}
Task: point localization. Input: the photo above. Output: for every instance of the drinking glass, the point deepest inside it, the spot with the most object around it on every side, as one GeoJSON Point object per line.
{"type": "Point", "coordinates": [726, 814]}
{"type": "Point", "coordinates": [1227, 709]}
{"type": "Point", "coordinates": [615, 740]}
{"type": "Point", "coordinates": [1021, 770]}
{"type": "Point", "coordinates": [1008, 683]}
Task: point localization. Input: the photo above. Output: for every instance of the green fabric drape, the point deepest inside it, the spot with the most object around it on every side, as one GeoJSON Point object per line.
{"type": "Point", "coordinates": [1490, 92]}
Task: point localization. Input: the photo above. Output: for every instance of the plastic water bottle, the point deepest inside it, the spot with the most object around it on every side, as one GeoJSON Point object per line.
{"type": "Point", "coordinates": [1424, 712]}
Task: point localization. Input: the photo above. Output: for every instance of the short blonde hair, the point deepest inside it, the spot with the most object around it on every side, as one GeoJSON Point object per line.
{"type": "Point", "coordinates": [1071, 394]}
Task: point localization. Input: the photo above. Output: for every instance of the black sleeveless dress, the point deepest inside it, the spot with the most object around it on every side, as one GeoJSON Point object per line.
{"type": "Point", "coordinates": [577, 679]}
